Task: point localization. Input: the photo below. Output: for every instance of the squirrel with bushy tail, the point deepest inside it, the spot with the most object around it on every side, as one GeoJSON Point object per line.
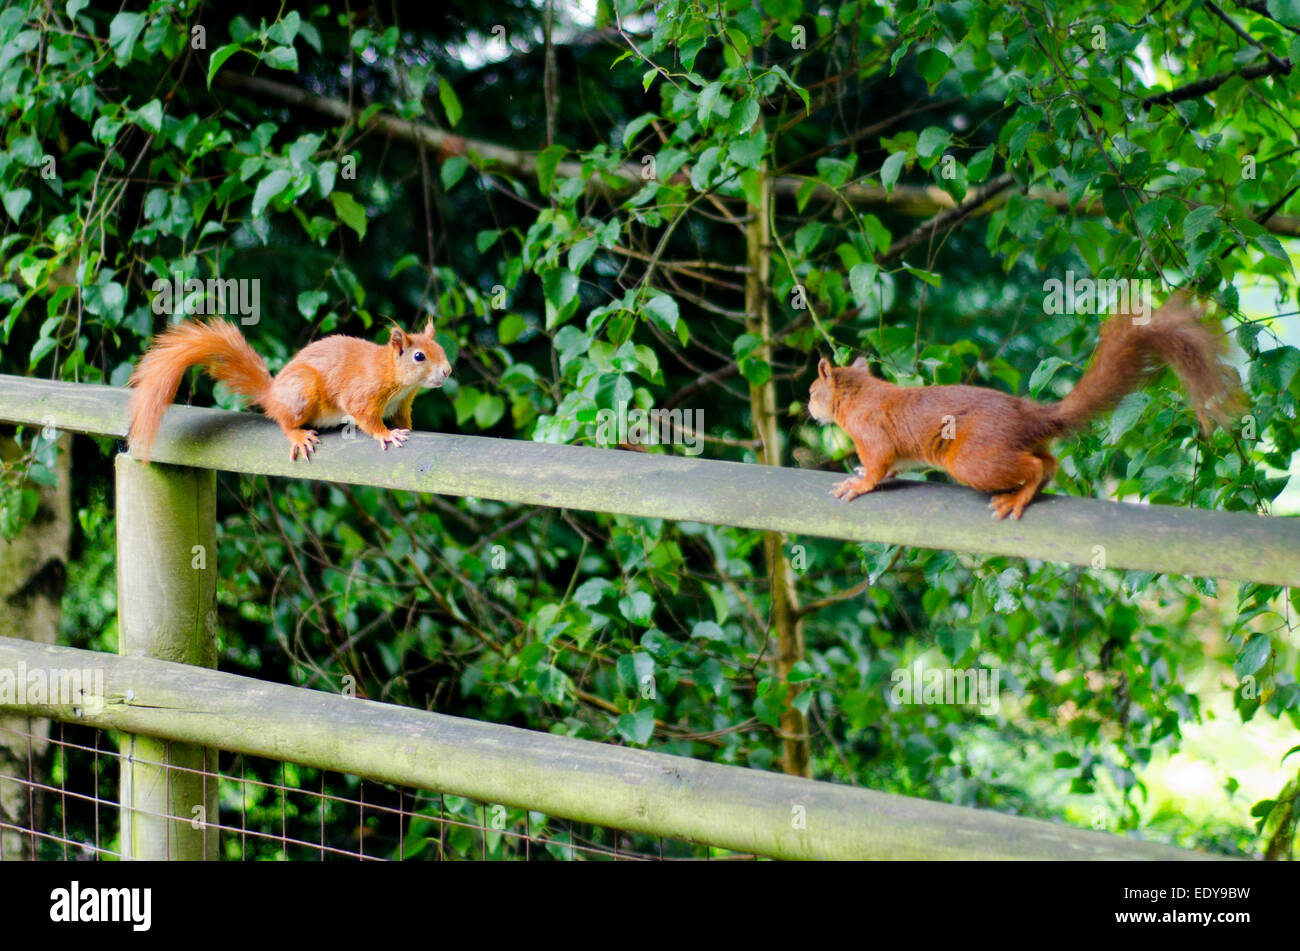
{"type": "Point", "coordinates": [327, 382]}
{"type": "Point", "coordinates": [998, 443]}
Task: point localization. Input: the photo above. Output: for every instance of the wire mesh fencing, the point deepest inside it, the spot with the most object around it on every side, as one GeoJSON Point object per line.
{"type": "Point", "coordinates": [59, 801]}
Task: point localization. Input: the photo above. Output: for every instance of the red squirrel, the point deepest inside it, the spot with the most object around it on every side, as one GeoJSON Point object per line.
{"type": "Point", "coordinates": [326, 382]}
{"type": "Point", "coordinates": [998, 443]}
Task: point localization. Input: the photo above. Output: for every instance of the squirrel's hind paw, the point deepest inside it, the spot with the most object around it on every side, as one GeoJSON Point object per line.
{"type": "Point", "coordinates": [304, 440]}
{"type": "Point", "coordinates": [1008, 504]}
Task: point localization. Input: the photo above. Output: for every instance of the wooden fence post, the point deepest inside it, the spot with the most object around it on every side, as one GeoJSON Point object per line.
{"type": "Point", "coordinates": [166, 604]}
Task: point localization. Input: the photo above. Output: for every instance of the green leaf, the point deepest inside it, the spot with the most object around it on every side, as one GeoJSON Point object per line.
{"type": "Point", "coordinates": [123, 31]}
{"type": "Point", "coordinates": [1285, 11]}
{"type": "Point", "coordinates": [637, 727]}
{"type": "Point", "coordinates": [488, 410]}
{"type": "Point", "coordinates": [219, 57]}
{"type": "Point", "coordinates": [662, 310]}
{"type": "Point", "coordinates": [1128, 412]}
{"type": "Point", "coordinates": [932, 141]}
{"type": "Point", "coordinates": [464, 404]}
{"type": "Point", "coordinates": [709, 632]}
{"type": "Point", "coordinates": [1020, 140]}
{"type": "Point", "coordinates": [1199, 220]}
{"type": "Point", "coordinates": [285, 31]}
{"type": "Point", "coordinates": [933, 64]}
{"type": "Point", "coordinates": [149, 116]}
{"type": "Point", "coordinates": [560, 288]}
{"type": "Point", "coordinates": [1151, 215]}
{"type": "Point", "coordinates": [712, 102]}
{"type": "Point", "coordinates": [569, 343]}
{"type": "Point", "coordinates": [1043, 374]}
{"type": "Point", "coordinates": [581, 253]}
{"type": "Point", "coordinates": [547, 161]}
{"type": "Point", "coordinates": [981, 164]}
{"type": "Point", "coordinates": [1253, 655]}
{"type": "Point", "coordinates": [511, 326]}
{"type": "Point", "coordinates": [592, 590]}
{"type": "Point", "coordinates": [633, 128]}
{"type": "Point", "coordinates": [704, 168]}
{"type": "Point", "coordinates": [747, 153]}
{"type": "Point", "coordinates": [241, 29]}
{"type": "Point", "coordinates": [281, 57]}
{"type": "Point", "coordinates": [42, 346]}
{"type": "Point", "coordinates": [309, 302]}
{"type": "Point", "coordinates": [934, 280]}
{"type": "Point", "coordinates": [404, 262]}
{"type": "Point", "coordinates": [1270, 245]}
{"type": "Point", "coordinates": [634, 669]}
{"type": "Point", "coordinates": [268, 188]}
{"type": "Point", "coordinates": [835, 172]}
{"type": "Point", "coordinates": [453, 169]}
{"type": "Point", "coordinates": [637, 608]}
{"type": "Point", "coordinates": [349, 212]}
{"type": "Point", "coordinates": [807, 237]}
{"type": "Point", "coordinates": [880, 237]}
{"type": "Point", "coordinates": [15, 201]}
{"type": "Point", "coordinates": [450, 102]}
{"type": "Point", "coordinates": [862, 282]}
{"type": "Point", "coordinates": [889, 171]}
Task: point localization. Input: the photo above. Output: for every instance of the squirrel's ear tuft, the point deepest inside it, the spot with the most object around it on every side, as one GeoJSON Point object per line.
{"type": "Point", "coordinates": [824, 368]}
{"type": "Point", "coordinates": [428, 328]}
{"type": "Point", "coordinates": [397, 340]}
{"type": "Point", "coordinates": [860, 364]}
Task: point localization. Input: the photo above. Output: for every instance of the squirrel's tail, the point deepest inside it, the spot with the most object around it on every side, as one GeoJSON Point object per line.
{"type": "Point", "coordinates": [1129, 352]}
{"type": "Point", "coordinates": [217, 346]}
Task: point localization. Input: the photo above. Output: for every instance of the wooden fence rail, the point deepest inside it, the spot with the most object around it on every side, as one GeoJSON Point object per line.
{"type": "Point", "coordinates": [1169, 539]}
{"type": "Point", "coordinates": [733, 807]}
{"type": "Point", "coordinates": [166, 514]}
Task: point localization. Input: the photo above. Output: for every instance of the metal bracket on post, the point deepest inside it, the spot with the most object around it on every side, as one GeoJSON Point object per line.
{"type": "Point", "coordinates": [166, 603]}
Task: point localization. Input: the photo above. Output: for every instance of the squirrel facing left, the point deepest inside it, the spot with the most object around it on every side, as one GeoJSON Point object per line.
{"type": "Point", "coordinates": [998, 443]}
{"type": "Point", "coordinates": [326, 382]}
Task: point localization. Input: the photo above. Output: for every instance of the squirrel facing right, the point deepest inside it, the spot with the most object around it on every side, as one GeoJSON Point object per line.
{"type": "Point", "coordinates": [998, 443]}
{"type": "Point", "coordinates": [326, 382]}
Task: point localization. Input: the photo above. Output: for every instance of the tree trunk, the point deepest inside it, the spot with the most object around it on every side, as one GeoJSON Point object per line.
{"type": "Point", "coordinates": [33, 572]}
{"type": "Point", "coordinates": [784, 611]}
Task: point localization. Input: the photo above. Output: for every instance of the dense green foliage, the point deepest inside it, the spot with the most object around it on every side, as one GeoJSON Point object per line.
{"type": "Point", "coordinates": [610, 271]}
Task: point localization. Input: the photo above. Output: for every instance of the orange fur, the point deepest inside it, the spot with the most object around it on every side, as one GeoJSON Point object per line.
{"type": "Point", "coordinates": [999, 443]}
{"type": "Point", "coordinates": [328, 380]}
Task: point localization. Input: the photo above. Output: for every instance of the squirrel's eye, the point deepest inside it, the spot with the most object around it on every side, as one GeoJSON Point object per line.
{"type": "Point", "coordinates": [418, 356]}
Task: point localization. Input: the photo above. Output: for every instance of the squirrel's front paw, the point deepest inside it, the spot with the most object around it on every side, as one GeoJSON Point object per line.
{"type": "Point", "coordinates": [850, 489]}
{"type": "Point", "coordinates": [394, 436]}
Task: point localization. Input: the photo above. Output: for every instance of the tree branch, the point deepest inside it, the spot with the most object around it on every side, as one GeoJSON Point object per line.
{"type": "Point", "coordinates": [1203, 86]}
{"type": "Point", "coordinates": [948, 218]}
{"type": "Point", "coordinates": [1283, 67]}
{"type": "Point", "coordinates": [917, 200]}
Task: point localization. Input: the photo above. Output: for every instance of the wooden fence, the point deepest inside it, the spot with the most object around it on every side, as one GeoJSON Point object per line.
{"type": "Point", "coordinates": [161, 690]}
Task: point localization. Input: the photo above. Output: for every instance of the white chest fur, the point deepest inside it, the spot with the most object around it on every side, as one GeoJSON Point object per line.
{"type": "Point", "coordinates": [398, 399]}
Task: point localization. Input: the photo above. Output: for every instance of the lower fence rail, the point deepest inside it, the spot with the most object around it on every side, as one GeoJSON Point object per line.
{"type": "Point", "coordinates": [596, 784]}
{"type": "Point", "coordinates": [59, 801]}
